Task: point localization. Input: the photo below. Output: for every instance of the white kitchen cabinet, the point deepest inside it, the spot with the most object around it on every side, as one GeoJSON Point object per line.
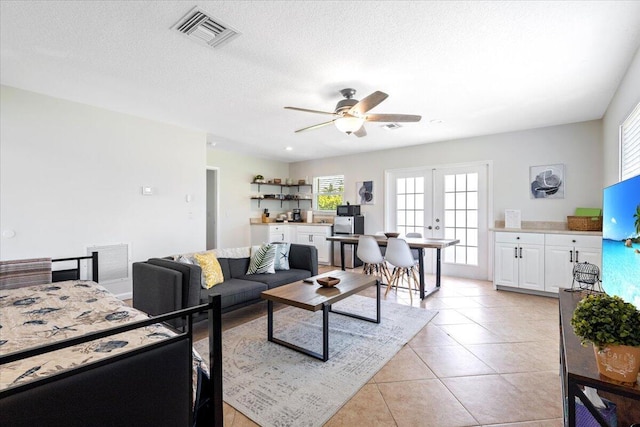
{"type": "Point", "coordinates": [519, 260]}
{"type": "Point", "coordinates": [562, 252]}
{"type": "Point", "coordinates": [316, 235]}
{"type": "Point", "coordinates": [268, 233]}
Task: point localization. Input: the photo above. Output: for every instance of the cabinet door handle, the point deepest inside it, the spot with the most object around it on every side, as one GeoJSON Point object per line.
{"type": "Point", "coordinates": [577, 256]}
{"type": "Point", "coordinates": [520, 252]}
{"type": "Point", "coordinates": [571, 256]}
{"type": "Point", "coordinates": [283, 237]}
{"type": "Point", "coordinates": [310, 238]}
{"type": "Point", "coordinates": [515, 252]}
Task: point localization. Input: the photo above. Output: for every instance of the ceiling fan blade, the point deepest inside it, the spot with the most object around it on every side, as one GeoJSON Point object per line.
{"type": "Point", "coordinates": [310, 111]}
{"type": "Point", "coordinates": [319, 125]}
{"type": "Point", "coordinates": [368, 103]}
{"type": "Point", "coordinates": [361, 132]}
{"type": "Point", "coordinates": [393, 118]}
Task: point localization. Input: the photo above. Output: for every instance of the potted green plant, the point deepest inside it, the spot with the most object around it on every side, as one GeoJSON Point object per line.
{"type": "Point", "coordinates": [259, 179]}
{"type": "Point", "coordinates": [613, 327]}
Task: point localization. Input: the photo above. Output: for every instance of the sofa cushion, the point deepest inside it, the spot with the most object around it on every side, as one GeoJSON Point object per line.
{"type": "Point", "coordinates": [237, 267]}
{"type": "Point", "coordinates": [280, 278]}
{"type": "Point", "coordinates": [211, 269]}
{"type": "Point", "coordinates": [262, 260]}
{"type": "Point", "coordinates": [235, 291]}
{"type": "Point", "coordinates": [282, 256]}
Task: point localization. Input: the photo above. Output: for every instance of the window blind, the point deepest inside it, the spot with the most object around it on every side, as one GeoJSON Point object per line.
{"type": "Point", "coordinates": [630, 145]}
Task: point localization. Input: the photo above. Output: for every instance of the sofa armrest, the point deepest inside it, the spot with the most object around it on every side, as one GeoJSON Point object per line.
{"type": "Point", "coordinates": [304, 257]}
{"type": "Point", "coordinates": [156, 290]}
{"type": "Point", "coordinates": [191, 279]}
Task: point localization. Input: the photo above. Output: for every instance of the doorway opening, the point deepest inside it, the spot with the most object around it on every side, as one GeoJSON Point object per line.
{"type": "Point", "coordinates": [212, 208]}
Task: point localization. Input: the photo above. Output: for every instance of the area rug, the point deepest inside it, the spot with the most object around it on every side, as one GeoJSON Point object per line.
{"type": "Point", "coordinates": [276, 386]}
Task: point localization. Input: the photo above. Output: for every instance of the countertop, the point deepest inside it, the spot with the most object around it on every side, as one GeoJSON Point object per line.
{"type": "Point", "coordinates": [322, 224]}
{"type": "Point", "coordinates": [545, 231]}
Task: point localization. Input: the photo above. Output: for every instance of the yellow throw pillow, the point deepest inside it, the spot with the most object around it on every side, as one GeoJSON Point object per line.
{"type": "Point", "coordinates": [211, 269]}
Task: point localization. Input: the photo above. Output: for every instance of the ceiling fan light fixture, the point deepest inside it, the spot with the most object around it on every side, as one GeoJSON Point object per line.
{"type": "Point", "coordinates": [349, 124]}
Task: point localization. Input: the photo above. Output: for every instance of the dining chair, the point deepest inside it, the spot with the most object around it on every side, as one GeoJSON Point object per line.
{"type": "Point", "coordinates": [370, 254]}
{"type": "Point", "coordinates": [400, 257]}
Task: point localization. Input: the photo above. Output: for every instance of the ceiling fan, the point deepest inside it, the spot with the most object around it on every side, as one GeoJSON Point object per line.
{"type": "Point", "coordinates": [350, 114]}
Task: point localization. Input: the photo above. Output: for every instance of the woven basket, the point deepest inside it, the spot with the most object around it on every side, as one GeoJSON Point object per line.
{"type": "Point", "coordinates": [584, 223]}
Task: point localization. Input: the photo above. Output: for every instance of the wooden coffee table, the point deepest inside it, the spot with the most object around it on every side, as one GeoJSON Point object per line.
{"type": "Point", "coordinates": [309, 295]}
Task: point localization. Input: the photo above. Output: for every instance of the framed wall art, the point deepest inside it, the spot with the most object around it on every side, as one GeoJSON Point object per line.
{"type": "Point", "coordinates": [365, 192]}
{"type": "Point", "coordinates": [546, 182]}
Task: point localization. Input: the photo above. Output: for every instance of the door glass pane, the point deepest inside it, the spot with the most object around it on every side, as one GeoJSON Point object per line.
{"type": "Point", "coordinates": [419, 185]}
{"type": "Point", "coordinates": [461, 254]}
{"type": "Point", "coordinates": [449, 218]}
{"type": "Point", "coordinates": [472, 182]}
{"type": "Point", "coordinates": [461, 200]}
{"type": "Point", "coordinates": [472, 219]}
{"type": "Point", "coordinates": [410, 218]}
{"type": "Point", "coordinates": [450, 200]}
{"type": "Point", "coordinates": [461, 234]}
{"type": "Point", "coordinates": [410, 185]}
{"type": "Point", "coordinates": [401, 185]}
{"type": "Point", "coordinates": [419, 201]}
{"type": "Point", "coordinates": [419, 221]}
{"type": "Point", "coordinates": [449, 255]}
{"type": "Point", "coordinates": [472, 237]}
{"type": "Point", "coordinates": [472, 200]}
{"type": "Point", "coordinates": [472, 256]}
{"type": "Point", "coordinates": [402, 201]}
{"type": "Point", "coordinates": [449, 233]}
{"type": "Point", "coordinates": [461, 182]}
{"type": "Point", "coordinates": [449, 183]}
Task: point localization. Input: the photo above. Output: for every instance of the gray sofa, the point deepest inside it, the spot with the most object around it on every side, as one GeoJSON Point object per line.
{"type": "Point", "coordinates": [162, 285]}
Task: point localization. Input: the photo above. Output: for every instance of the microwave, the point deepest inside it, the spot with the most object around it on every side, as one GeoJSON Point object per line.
{"type": "Point", "coordinates": [348, 210]}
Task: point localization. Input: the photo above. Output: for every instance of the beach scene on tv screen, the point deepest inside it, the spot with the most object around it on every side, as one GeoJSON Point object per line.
{"type": "Point", "coordinates": [621, 240]}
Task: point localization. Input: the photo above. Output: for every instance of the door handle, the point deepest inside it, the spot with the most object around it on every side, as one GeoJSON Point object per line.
{"type": "Point", "coordinates": [571, 256]}
{"type": "Point", "coordinates": [577, 256]}
{"type": "Point", "coordinates": [515, 252]}
{"type": "Point", "coordinates": [429, 228]}
{"type": "Point", "coordinates": [520, 252]}
{"type": "Point", "coordinates": [437, 227]}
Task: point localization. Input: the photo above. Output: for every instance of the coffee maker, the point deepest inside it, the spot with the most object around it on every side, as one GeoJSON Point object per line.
{"type": "Point", "coordinates": [296, 215]}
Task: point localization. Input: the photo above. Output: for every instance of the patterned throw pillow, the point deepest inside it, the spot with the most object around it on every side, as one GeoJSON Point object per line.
{"type": "Point", "coordinates": [282, 256]}
{"type": "Point", "coordinates": [210, 269]}
{"type": "Point", "coordinates": [262, 260]}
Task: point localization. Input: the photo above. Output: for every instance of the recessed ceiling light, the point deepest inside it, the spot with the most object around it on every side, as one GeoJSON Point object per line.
{"type": "Point", "coordinates": [436, 121]}
{"type": "Point", "coordinates": [391, 126]}
{"type": "Point", "coordinates": [289, 148]}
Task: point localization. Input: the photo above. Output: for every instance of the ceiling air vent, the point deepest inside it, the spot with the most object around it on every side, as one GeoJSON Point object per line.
{"type": "Point", "coordinates": [200, 26]}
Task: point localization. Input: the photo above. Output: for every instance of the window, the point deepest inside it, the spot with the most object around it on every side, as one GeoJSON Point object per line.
{"type": "Point", "coordinates": [329, 192]}
{"type": "Point", "coordinates": [630, 145]}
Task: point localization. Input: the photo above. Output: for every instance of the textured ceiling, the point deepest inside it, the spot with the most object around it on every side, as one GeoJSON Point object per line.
{"type": "Point", "coordinates": [479, 67]}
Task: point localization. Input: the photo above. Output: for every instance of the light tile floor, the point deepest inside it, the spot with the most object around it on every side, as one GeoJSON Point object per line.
{"type": "Point", "coordinates": [489, 358]}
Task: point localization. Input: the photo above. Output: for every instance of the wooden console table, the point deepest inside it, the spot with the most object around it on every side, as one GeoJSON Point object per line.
{"type": "Point", "coordinates": [578, 367]}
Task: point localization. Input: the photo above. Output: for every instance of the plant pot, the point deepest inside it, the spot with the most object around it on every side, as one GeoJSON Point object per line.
{"type": "Point", "coordinates": [619, 362]}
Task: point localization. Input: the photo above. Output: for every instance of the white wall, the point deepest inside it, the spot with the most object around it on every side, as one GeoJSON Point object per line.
{"type": "Point", "coordinates": [236, 207]}
{"type": "Point", "coordinates": [625, 99]}
{"type": "Point", "coordinates": [578, 146]}
{"type": "Point", "coordinates": [71, 177]}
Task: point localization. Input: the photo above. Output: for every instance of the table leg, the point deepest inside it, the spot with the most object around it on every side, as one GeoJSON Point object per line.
{"type": "Point", "coordinates": [438, 266]}
{"type": "Point", "coordinates": [421, 271]}
{"type": "Point", "coordinates": [270, 320]}
{"type": "Point", "coordinates": [357, 316]}
{"type": "Point", "coordinates": [342, 255]}
{"type": "Point", "coordinates": [325, 332]}
{"type": "Point", "coordinates": [425, 293]}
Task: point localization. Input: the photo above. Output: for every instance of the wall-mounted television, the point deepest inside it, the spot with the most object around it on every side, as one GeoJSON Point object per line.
{"type": "Point", "coordinates": [621, 240]}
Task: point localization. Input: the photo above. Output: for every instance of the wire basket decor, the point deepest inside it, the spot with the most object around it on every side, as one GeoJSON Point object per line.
{"type": "Point", "coordinates": [587, 277]}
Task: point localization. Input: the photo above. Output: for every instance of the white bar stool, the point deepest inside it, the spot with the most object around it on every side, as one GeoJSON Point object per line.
{"type": "Point", "coordinates": [399, 255]}
{"type": "Point", "coordinates": [371, 256]}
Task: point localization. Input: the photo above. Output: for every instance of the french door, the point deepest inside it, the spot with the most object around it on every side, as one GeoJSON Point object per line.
{"type": "Point", "coordinates": [443, 202]}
